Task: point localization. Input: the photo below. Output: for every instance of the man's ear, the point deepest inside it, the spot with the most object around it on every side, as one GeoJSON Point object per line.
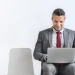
{"type": "Point", "coordinates": [51, 18]}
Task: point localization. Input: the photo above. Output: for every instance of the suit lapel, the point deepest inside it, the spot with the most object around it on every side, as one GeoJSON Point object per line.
{"type": "Point", "coordinates": [65, 34]}
{"type": "Point", "coordinates": [50, 36]}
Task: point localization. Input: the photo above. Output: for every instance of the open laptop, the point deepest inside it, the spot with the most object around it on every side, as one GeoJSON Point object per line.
{"type": "Point", "coordinates": [60, 55]}
{"type": "Point", "coordinates": [20, 62]}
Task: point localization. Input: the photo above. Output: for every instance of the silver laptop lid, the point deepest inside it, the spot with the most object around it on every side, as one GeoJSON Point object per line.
{"type": "Point", "coordinates": [20, 62]}
{"type": "Point", "coordinates": [60, 55]}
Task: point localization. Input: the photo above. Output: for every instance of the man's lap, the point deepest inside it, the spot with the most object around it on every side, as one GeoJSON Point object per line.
{"type": "Point", "coordinates": [63, 69]}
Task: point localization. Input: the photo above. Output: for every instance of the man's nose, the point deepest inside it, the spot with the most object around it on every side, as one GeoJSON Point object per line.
{"type": "Point", "coordinates": [58, 23]}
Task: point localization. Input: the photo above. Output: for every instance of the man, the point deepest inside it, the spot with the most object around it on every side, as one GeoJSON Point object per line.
{"type": "Point", "coordinates": [55, 37]}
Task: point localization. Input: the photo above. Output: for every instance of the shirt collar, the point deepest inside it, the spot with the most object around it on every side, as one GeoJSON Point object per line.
{"type": "Point", "coordinates": [57, 31]}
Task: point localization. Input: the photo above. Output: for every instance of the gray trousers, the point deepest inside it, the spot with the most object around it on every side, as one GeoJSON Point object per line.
{"type": "Point", "coordinates": [58, 69]}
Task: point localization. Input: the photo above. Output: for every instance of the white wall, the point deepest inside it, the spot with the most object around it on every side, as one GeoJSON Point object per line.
{"type": "Point", "coordinates": [20, 22]}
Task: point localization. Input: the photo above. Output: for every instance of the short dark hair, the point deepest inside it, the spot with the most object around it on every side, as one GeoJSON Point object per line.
{"type": "Point", "coordinates": [58, 12]}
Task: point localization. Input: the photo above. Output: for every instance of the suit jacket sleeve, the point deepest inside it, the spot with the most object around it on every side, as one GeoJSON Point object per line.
{"type": "Point", "coordinates": [38, 51]}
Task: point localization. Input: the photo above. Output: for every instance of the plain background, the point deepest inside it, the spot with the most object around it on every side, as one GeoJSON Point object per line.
{"type": "Point", "coordinates": [21, 21]}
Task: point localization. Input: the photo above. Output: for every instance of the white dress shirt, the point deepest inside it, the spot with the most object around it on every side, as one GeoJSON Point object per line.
{"type": "Point", "coordinates": [54, 38]}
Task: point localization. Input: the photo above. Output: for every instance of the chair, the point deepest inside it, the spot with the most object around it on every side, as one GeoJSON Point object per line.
{"type": "Point", "coordinates": [20, 62]}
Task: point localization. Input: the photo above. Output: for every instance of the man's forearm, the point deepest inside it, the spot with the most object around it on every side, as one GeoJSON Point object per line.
{"type": "Point", "coordinates": [40, 56]}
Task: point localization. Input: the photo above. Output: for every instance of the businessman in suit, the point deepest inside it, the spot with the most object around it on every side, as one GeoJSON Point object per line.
{"type": "Point", "coordinates": [55, 37]}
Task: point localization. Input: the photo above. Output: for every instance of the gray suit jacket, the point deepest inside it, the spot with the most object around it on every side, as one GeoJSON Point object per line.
{"type": "Point", "coordinates": [45, 40]}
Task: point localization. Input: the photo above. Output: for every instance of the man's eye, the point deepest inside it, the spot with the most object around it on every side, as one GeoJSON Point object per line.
{"type": "Point", "coordinates": [55, 21]}
{"type": "Point", "coordinates": [61, 21]}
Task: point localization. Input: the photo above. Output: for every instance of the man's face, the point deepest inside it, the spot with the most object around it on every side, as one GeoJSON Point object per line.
{"type": "Point", "coordinates": [58, 22]}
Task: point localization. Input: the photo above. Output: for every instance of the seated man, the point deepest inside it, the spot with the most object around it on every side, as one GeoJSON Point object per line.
{"type": "Point", "coordinates": [55, 37]}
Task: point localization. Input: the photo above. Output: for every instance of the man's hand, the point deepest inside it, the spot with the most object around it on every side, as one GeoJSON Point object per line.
{"type": "Point", "coordinates": [45, 58]}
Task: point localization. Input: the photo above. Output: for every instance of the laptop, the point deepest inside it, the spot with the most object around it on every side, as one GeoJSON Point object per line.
{"type": "Point", "coordinates": [60, 55]}
{"type": "Point", "coordinates": [20, 62]}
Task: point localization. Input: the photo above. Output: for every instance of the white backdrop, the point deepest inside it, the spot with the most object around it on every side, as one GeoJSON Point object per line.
{"type": "Point", "coordinates": [21, 21]}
